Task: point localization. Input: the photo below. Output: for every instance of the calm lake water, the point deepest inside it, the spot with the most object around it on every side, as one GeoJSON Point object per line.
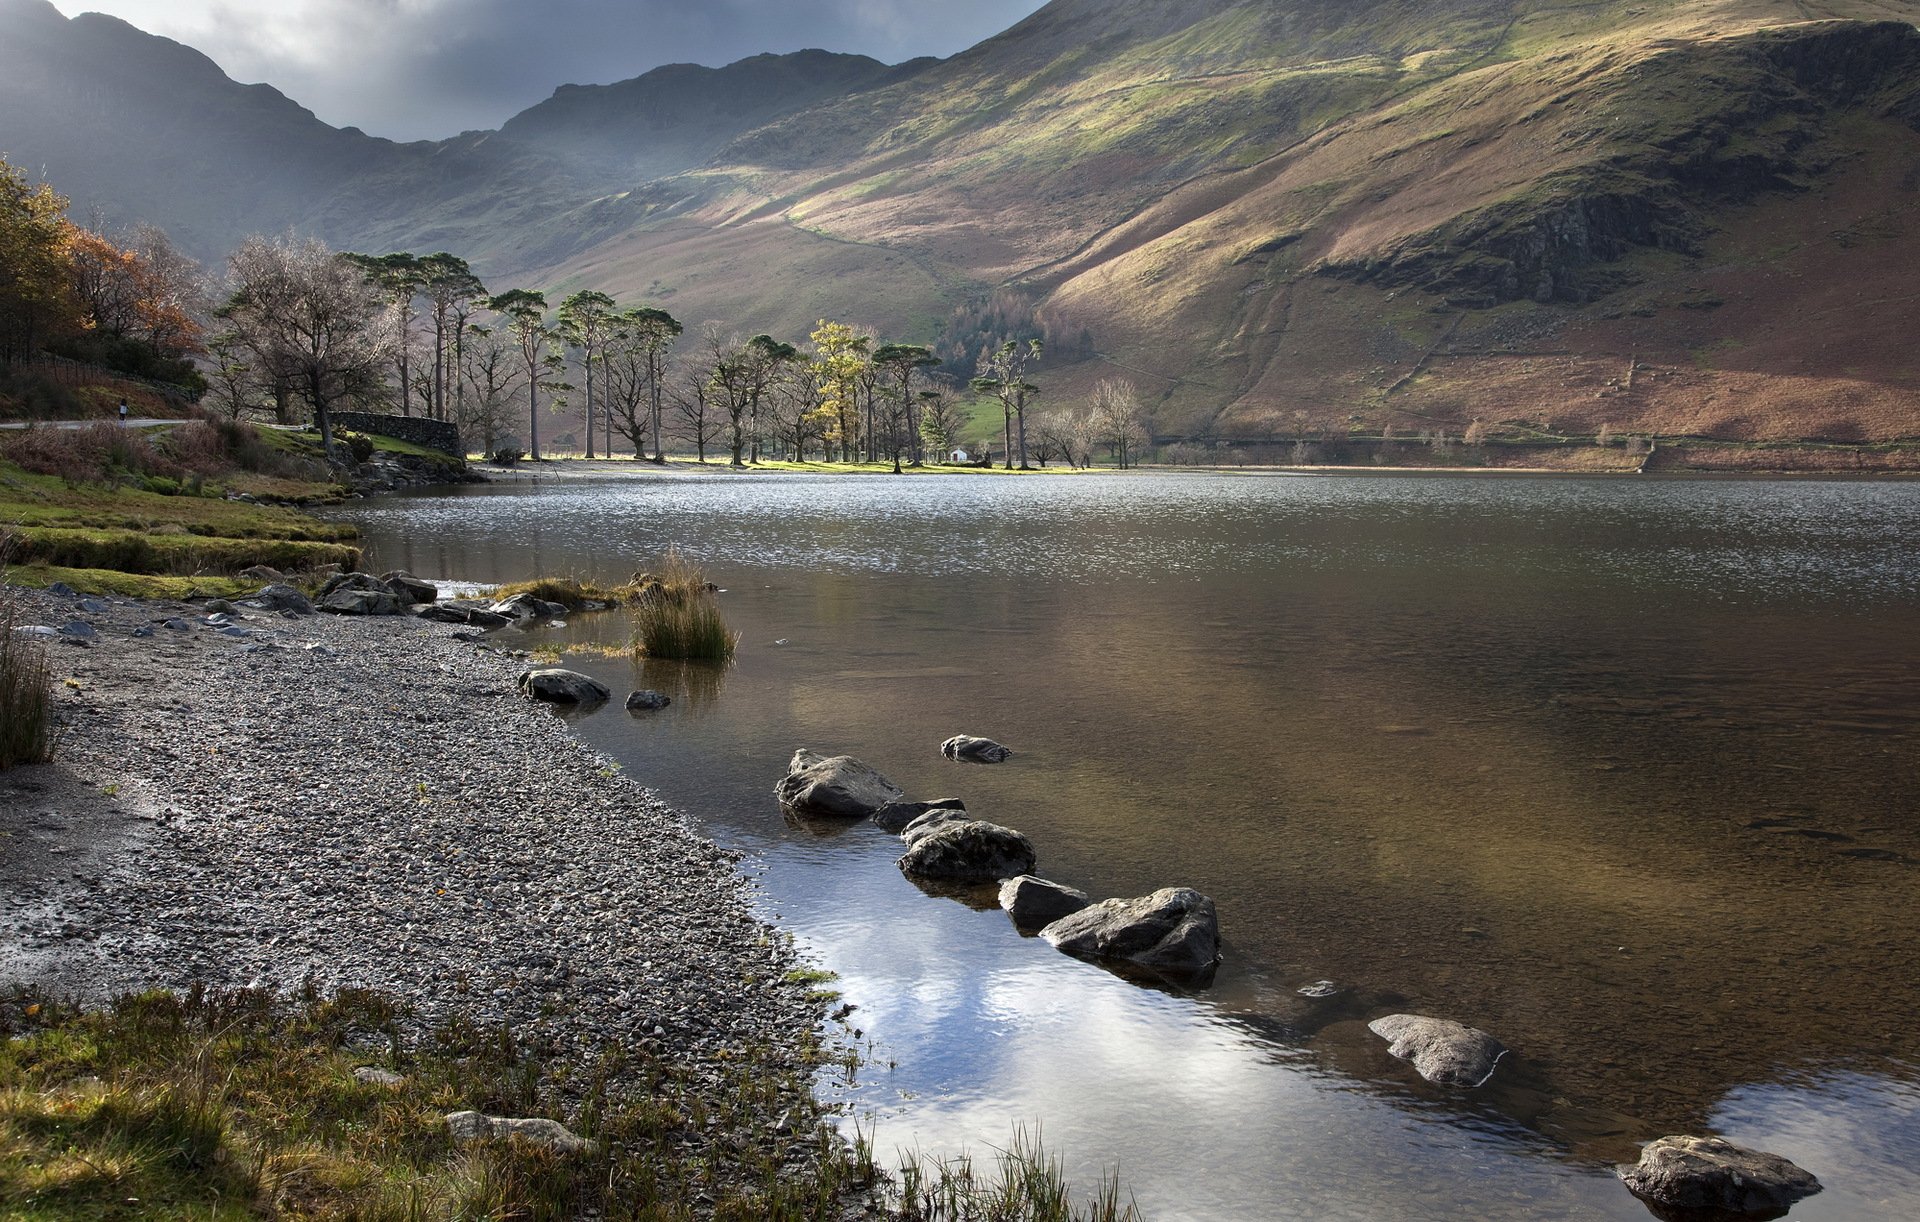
{"type": "Point", "coordinates": [1619, 771]}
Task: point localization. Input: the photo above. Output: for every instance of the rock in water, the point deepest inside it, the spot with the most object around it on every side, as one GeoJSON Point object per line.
{"type": "Point", "coordinates": [1710, 1174]}
{"type": "Point", "coordinates": [834, 785]}
{"type": "Point", "coordinates": [1173, 930]}
{"type": "Point", "coordinates": [1034, 903]}
{"type": "Point", "coordinates": [474, 1126]}
{"type": "Point", "coordinates": [648, 701]}
{"type": "Point", "coordinates": [556, 686]}
{"type": "Point", "coordinates": [968, 851]}
{"type": "Point", "coordinates": [975, 750]}
{"type": "Point", "coordinates": [1445, 1052]}
{"type": "Point", "coordinates": [931, 822]}
{"type": "Point", "coordinates": [896, 816]}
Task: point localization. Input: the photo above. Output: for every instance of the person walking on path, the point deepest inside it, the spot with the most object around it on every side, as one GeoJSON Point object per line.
{"type": "Point", "coordinates": [123, 413]}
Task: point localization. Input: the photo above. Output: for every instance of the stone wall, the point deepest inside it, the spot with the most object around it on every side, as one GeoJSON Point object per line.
{"type": "Point", "coordinates": [433, 434]}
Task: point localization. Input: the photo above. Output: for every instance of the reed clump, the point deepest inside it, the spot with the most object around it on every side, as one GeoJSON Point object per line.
{"type": "Point", "coordinates": [676, 613]}
{"type": "Point", "coordinates": [26, 700]}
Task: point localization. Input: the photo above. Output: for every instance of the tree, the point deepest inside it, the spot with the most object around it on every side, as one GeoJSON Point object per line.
{"type": "Point", "coordinates": [1116, 418]}
{"type": "Point", "coordinates": [1003, 374]}
{"type": "Point", "coordinates": [525, 311]}
{"type": "Point", "coordinates": [730, 378]}
{"type": "Point", "coordinates": [172, 296]}
{"type": "Point", "coordinates": [36, 291]}
{"type": "Point", "coordinates": [451, 290]}
{"type": "Point", "coordinates": [652, 333]}
{"type": "Point", "coordinates": [898, 363]}
{"type": "Point", "coordinates": [839, 360]}
{"type": "Point", "coordinates": [701, 422]}
{"type": "Point", "coordinates": [586, 322]}
{"type": "Point", "coordinates": [310, 319]}
{"type": "Point", "coordinates": [232, 385]}
{"type": "Point", "coordinates": [400, 277]}
{"type": "Point", "coordinates": [768, 363]}
{"type": "Point", "coordinates": [489, 362]}
{"type": "Point", "coordinates": [939, 416]}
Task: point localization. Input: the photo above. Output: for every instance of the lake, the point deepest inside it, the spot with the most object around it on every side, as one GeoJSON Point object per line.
{"type": "Point", "coordinates": [1620, 771]}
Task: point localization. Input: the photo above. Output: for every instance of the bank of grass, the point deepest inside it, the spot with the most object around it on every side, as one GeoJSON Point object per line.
{"type": "Point", "coordinates": [130, 585]}
{"type": "Point", "coordinates": [240, 1106]}
{"type": "Point", "coordinates": [677, 616]}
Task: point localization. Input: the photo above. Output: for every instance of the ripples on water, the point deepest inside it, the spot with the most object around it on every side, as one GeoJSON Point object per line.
{"type": "Point", "coordinates": [1619, 770]}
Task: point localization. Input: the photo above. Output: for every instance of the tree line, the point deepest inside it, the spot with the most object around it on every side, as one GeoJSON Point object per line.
{"type": "Point", "coordinates": [297, 329]}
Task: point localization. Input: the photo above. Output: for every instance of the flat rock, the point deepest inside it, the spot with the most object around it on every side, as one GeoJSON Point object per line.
{"type": "Point", "coordinates": [1173, 930]}
{"type": "Point", "coordinates": [1708, 1173]}
{"type": "Point", "coordinates": [834, 785]}
{"type": "Point", "coordinates": [1035, 903]}
{"type": "Point", "coordinates": [282, 597]}
{"type": "Point", "coordinates": [969, 851]}
{"type": "Point", "coordinates": [554, 685]}
{"type": "Point", "coordinates": [973, 750]}
{"type": "Point", "coordinates": [895, 816]}
{"type": "Point", "coordinates": [474, 1126]}
{"type": "Point", "coordinates": [1442, 1051]}
{"type": "Point", "coordinates": [358, 600]}
{"type": "Point", "coordinates": [412, 588]}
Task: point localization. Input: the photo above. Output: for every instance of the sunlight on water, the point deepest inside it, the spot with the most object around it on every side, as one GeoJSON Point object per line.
{"type": "Point", "coordinates": [1620, 771]}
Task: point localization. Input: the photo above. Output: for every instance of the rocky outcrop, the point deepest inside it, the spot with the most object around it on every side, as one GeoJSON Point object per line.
{"type": "Point", "coordinates": [971, 750]}
{"type": "Point", "coordinates": [969, 851]}
{"type": "Point", "coordinates": [1443, 1052]}
{"type": "Point", "coordinates": [468, 1127]}
{"type": "Point", "coordinates": [896, 816]}
{"type": "Point", "coordinates": [838, 785]}
{"type": "Point", "coordinates": [1707, 1173]}
{"type": "Point", "coordinates": [1035, 903]}
{"type": "Point", "coordinates": [410, 587]}
{"type": "Point", "coordinates": [556, 686]}
{"type": "Point", "coordinates": [1175, 931]}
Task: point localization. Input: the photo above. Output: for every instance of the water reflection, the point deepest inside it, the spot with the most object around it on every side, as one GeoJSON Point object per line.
{"type": "Point", "coordinates": [1620, 772]}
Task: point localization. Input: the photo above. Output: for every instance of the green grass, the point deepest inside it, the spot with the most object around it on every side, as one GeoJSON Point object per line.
{"type": "Point", "coordinates": [130, 585]}
{"type": "Point", "coordinates": [242, 1105]}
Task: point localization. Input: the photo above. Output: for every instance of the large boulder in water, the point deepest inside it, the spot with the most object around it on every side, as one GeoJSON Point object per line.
{"type": "Point", "coordinates": [556, 686]}
{"type": "Point", "coordinates": [968, 851]}
{"type": "Point", "coordinates": [895, 816]}
{"type": "Point", "coordinates": [1174, 930]}
{"type": "Point", "coordinates": [1444, 1052]}
{"type": "Point", "coordinates": [840, 785]}
{"type": "Point", "coordinates": [967, 748]}
{"type": "Point", "coordinates": [1709, 1174]}
{"type": "Point", "coordinates": [1034, 903]}
{"type": "Point", "coordinates": [931, 822]}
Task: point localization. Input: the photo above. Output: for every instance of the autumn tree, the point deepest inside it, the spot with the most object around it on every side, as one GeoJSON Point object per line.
{"type": "Point", "coordinates": [1003, 374]}
{"type": "Point", "coordinates": [309, 318]}
{"type": "Point", "coordinates": [36, 291]}
{"type": "Point", "coordinates": [840, 358]}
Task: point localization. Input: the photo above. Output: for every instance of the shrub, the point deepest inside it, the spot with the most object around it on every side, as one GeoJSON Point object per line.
{"type": "Point", "coordinates": [25, 691]}
{"type": "Point", "coordinates": [676, 614]}
{"type": "Point", "coordinates": [506, 456]}
{"type": "Point", "coordinates": [359, 446]}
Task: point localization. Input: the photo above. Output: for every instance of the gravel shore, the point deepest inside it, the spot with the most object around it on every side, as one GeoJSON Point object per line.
{"type": "Point", "coordinates": [367, 803]}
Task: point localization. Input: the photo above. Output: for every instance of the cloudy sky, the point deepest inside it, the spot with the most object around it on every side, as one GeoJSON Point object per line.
{"type": "Point", "coordinates": [412, 69]}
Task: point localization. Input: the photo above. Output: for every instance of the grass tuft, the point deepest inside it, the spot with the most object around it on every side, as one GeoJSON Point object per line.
{"type": "Point", "coordinates": [676, 614]}
{"type": "Point", "coordinates": [26, 684]}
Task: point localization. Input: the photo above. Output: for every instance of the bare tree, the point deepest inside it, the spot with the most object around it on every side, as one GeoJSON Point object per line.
{"type": "Point", "coordinates": [1116, 416]}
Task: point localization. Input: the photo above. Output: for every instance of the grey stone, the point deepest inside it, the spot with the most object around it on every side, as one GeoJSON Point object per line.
{"type": "Point", "coordinates": [264, 574]}
{"type": "Point", "coordinates": [79, 630]}
{"type": "Point", "coordinates": [1173, 930]}
{"type": "Point", "coordinates": [487, 621]}
{"type": "Point", "coordinates": [833, 785]}
{"type": "Point", "coordinates": [913, 833]}
{"type": "Point", "coordinates": [556, 686]}
{"type": "Point", "coordinates": [220, 606]}
{"type": "Point", "coordinates": [177, 625]}
{"type": "Point", "coordinates": [412, 588]}
{"type": "Point", "coordinates": [1035, 903]}
{"type": "Point", "coordinates": [36, 630]}
{"type": "Point", "coordinates": [444, 614]}
{"type": "Point", "coordinates": [1442, 1051]}
{"type": "Point", "coordinates": [1708, 1173]}
{"type": "Point", "coordinates": [895, 816]}
{"type": "Point", "coordinates": [358, 600]}
{"type": "Point", "coordinates": [973, 750]}
{"type": "Point", "coordinates": [970, 851]}
{"type": "Point", "coordinates": [283, 597]}
{"type": "Point", "coordinates": [144, 630]}
{"type": "Point", "coordinates": [353, 581]}
{"type": "Point", "coordinates": [520, 606]}
{"type": "Point", "coordinates": [474, 1126]}
{"type": "Point", "coordinates": [649, 701]}
{"type": "Point", "coordinates": [369, 1075]}
{"type": "Point", "coordinates": [94, 606]}
{"type": "Point", "coordinates": [61, 589]}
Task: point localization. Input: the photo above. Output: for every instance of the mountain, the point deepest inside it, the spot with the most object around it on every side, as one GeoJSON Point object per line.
{"type": "Point", "coordinates": [1279, 217]}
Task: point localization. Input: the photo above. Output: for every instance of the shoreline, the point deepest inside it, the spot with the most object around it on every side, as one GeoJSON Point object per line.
{"type": "Point", "coordinates": [367, 803]}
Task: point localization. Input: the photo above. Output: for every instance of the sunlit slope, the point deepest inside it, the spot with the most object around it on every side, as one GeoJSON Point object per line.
{"type": "Point", "coordinates": [1268, 210]}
